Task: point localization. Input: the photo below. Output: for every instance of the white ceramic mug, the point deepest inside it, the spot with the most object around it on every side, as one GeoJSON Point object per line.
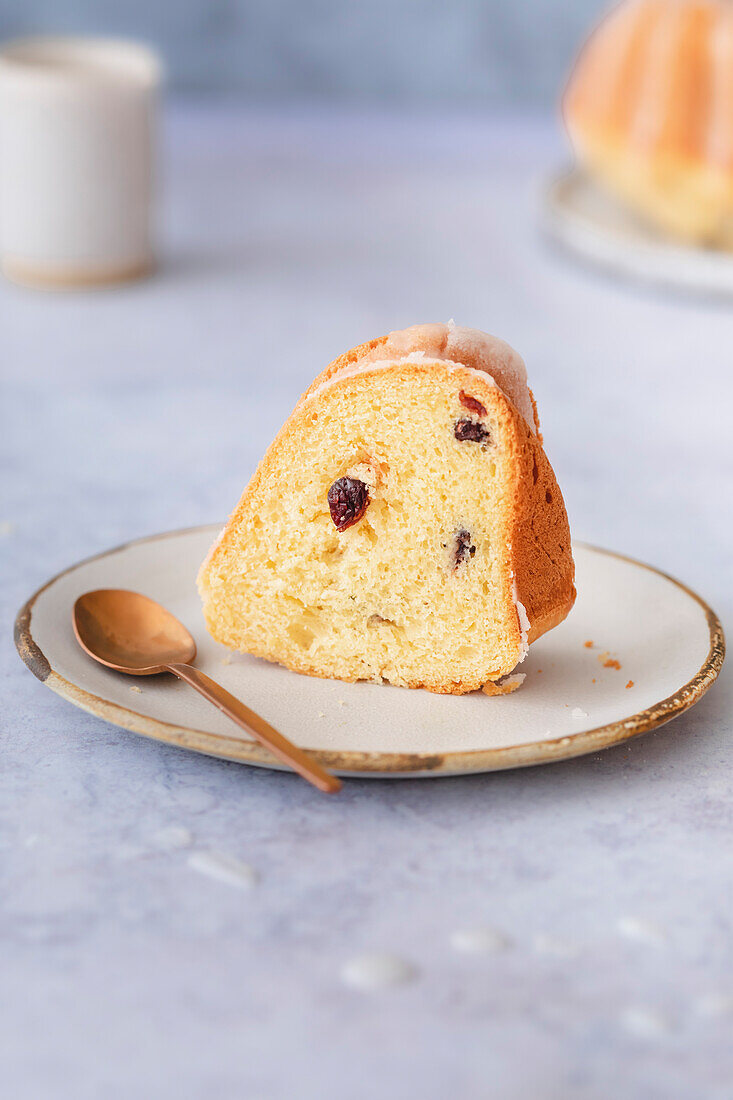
{"type": "Point", "coordinates": [76, 160]}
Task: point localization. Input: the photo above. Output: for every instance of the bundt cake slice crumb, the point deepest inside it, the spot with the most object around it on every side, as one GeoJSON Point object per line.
{"type": "Point", "coordinates": [404, 526]}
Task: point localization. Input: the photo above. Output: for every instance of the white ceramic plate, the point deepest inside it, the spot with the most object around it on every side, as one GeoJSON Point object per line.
{"type": "Point", "coordinates": [583, 218]}
{"type": "Point", "coordinates": [668, 643]}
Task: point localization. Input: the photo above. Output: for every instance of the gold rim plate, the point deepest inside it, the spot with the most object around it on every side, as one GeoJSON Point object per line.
{"type": "Point", "coordinates": [375, 763]}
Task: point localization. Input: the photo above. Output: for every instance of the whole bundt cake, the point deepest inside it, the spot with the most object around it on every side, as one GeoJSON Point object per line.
{"type": "Point", "coordinates": [404, 526]}
{"type": "Point", "coordinates": [649, 109]}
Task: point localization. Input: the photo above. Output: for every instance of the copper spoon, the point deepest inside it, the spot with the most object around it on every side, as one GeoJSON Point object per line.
{"type": "Point", "coordinates": [133, 634]}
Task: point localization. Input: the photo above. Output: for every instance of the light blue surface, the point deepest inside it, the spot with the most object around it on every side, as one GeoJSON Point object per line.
{"type": "Point", "coordinates": [482, 52]}
{"type": "Point", "coordinates": [288, 238]}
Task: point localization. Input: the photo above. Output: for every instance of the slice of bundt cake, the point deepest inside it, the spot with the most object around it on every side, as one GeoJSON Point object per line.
{"type": "Point", "coordinates": [404, 526]}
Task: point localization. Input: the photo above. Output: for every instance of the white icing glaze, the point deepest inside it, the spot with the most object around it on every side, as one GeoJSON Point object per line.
{"type": "Point", "coordinates": [451, 346]}
{"type": "Point", "coordinates": [478, 941]}
{"type": "Point", "coordinates": [223, 868]}
{"type": "Point", "coordinates": [718, 135]}
{"type": "Point", "coordinates": [377, 971]}
{"type": "Point", "coordinates": [523, 619]}
{"type": "Point", "coordinates": [578, 712]}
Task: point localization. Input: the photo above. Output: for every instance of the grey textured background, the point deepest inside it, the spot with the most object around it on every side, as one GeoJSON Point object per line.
{"type": "Point", "coordinates": [462, 52]}
{"type": "Point", "coordinates": [127, 976]}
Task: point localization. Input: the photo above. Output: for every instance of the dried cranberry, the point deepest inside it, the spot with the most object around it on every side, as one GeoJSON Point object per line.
{"type": "Point", "coordinates": [347, 500]}
{"type": "Point", "coordinates": [463, 548]}
{"type": "Point", "coordinates": [469, 430]}
{"type": "Point", "coordinates": [471, 403]}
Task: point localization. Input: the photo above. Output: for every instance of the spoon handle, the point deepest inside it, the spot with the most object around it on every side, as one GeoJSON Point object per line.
{"type": "Point", "coordinates": [261, 730]}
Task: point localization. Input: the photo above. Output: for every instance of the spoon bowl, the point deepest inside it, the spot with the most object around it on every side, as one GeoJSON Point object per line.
{"type": "Point", "coordinates": [130, 633]}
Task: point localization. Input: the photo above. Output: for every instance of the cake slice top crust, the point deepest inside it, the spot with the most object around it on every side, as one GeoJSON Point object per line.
{"type": "Point", "coordinates": [450, 343]}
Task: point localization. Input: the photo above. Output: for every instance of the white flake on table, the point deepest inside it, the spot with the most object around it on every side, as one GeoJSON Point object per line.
{"type": "Point", "coordinates": [377, 971]}
{"type": "Point", "coordinates": [478, 941]}
{"type": "Point", "coordinates": [636, 928]}
{"type": "Point", "coordinates": [223, 868]}
{"type": "Point", "coordinates": [645, 1023]}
